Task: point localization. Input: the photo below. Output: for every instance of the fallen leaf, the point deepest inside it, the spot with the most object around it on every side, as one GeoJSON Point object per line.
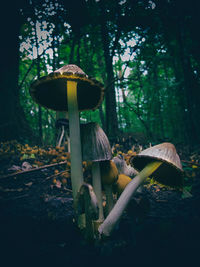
{"type": "Point", "coordinates": [26, 166]}
{"type": "Point", "coordinates": [194, 166]}
{"type": "Point", "coordinates": [13, 190]}
{"type": "Point", "coordinates": [14, 168]}
{"type": "Point", "coordinates": [58, 184]}
{"type": "Point", "coordinates": [29, 184]}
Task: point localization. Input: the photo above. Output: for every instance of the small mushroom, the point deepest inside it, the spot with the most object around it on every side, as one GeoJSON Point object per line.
{"type": "Point", "coordinates": [95, 148]}
{"type": "Point", "coordinates": [86, 202]}
{"type": "Point", "coordinates": [62, 124]}
{"type": "Point", "coordinates": [69, 89]}
{"type": "Point", "coordinates": [109, 175]}
{"type": "Point", "coordinates": [170, 172]}
{"type": "Point", "coordinates": [122, 182]}
{"type": "Point", "coordinates": [161, 161]}
{"type": "Point", "coordinates": [122, 166]}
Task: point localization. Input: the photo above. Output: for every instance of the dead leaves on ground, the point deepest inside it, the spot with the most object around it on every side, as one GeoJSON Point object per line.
{"type": "Point", "coordinates": [22, 157]}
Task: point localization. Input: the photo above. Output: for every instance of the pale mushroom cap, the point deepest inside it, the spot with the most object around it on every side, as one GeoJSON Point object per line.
{"type": "Point", "coordinates": [170, 172]}
{"type": "Point", "coordinates": [95, 143]}
{"type": "Point", "coordinates": [50, 91]}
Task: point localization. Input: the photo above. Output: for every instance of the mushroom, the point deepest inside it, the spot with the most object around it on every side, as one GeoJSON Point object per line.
{"type": "Point", "coordinates": [62, 124]}
{"type": "Point", "coordinates": [122, 166]}
{"type": "Point", "coordinates": [86, 202]}
{"type": "Point", "coordinates": [95, 148]}
{"type": "Point", "coordinates": [163, 162]}
{"type": "Point", "coordinates": [124, 171]}
{"type": "Point", "coordinates": [69, 89]}
{"type": "Point", "coordinates": [109, 175]}
{"type": "Point", "coordinates": [121, 183]}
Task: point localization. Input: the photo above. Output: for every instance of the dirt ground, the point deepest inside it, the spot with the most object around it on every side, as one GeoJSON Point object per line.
{"type": "Point", "coordinates": [37, 229]}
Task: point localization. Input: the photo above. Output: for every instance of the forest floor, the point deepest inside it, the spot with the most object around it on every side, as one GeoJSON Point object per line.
{"type": "Point", "coordinates": [36, 217]}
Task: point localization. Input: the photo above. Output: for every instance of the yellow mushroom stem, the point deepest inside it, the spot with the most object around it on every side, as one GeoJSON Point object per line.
{"type": "Point", "coordinates": [114, 216]}
{"type": "Point", "coordinates": [75, 140]}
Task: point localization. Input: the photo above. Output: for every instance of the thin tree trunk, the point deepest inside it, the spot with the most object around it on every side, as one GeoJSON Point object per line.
{"type": "Point", "coordinates": [190, 86]}
{"type": "Point", "coordinates": [101, 115]}
{"type": "Point", "coordinates": [71, 57]}
{"type": "Point", "coordinates": [110, 96]}
{"type": "Point", "coordinates": [12, 118]}
{"type": "Point", "coordinates": [38, 76]}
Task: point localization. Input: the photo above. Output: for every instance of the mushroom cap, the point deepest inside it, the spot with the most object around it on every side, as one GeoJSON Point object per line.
{"type": "Point", "coordinates": [95, 143]}
{"type": "Point", "coordinates": [122, 182]}
{"type": "Point", "coordinates": [50, 91]}
{"type": "Point", "coordinates": [170, 172]}
{"type": "Point", "coordinates": [122, 167]}
{"type": "Point", "coordinates": [109, 172]}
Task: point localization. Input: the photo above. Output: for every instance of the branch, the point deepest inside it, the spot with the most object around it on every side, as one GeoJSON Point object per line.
{"type": "Point", "coordinates": [126, 66]}
{"type": "Point", "coordinates": [30, 67]}
{"type": "Point", "coordinates": [33, 170]}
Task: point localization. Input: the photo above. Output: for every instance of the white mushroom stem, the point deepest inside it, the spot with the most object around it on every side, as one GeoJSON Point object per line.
{"type": "Point", "coordinates": [61, 136]}
{"type": "Point", "coordinates": [75, 140]}
{"type": "Point", "coordinates": [109, 198]}
{"type": "Point", "coordinates": [114, 216]}
{"type": "Point", "coordinates": [96, 181]}
{"type": "Point", "coordinates": [88, 220]}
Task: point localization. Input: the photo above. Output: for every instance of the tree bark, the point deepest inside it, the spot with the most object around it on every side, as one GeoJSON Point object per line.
{"type": "Point", "coordinates": [110, 96]}
{"type": "Point", "coordinates": [12, 119]}
{"type": "Point", "coordinates": [38, 76]}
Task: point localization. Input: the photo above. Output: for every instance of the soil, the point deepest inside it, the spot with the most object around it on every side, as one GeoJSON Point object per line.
{"type": "Point", "coordinates": [37, 227]}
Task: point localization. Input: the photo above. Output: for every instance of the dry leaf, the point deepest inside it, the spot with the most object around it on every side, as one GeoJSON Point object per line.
{"type": "Point", "coordinates": [29, 184]}
{"type": "Point", "coordinates": [58, 184]}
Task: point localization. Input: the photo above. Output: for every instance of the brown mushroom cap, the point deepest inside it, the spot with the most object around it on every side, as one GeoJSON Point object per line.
{"type": "Point", "coordinates": [50, 91]}
{"type": "Point", "coordinates": [95, 143]}
{"type": "Point", "coordinates": [122, 182]}
{"type": "Point", "coordinates": [109, 172]}
{"type": "Point", "coordinates": [170, 172]}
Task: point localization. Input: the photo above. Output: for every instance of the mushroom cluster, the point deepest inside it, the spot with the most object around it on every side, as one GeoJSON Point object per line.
{"type": "Point", "coordinates": [95, 148]}
{"type": "Point", "coordinates": [67, 89]}
{"type": "Point", "coordinates": [161, 161]}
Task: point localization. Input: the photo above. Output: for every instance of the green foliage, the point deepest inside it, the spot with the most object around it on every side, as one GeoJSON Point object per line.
{"type": "Point", "coordinates": [154, 98]}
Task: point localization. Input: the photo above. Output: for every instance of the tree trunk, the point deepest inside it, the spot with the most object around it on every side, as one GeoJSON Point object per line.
{"type": "Point", "coordinates": [38, 76]}
{"type": "Point", "coordinates": [191, 89]}
{"type": "Point", "coordinates": [110, 96]}
{"type": "Point", "coordinates": [12, 119]}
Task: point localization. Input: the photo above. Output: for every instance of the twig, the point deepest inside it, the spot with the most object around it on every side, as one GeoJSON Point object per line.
{"type": "Point", "coordinates": [35, 169]}
{"type": "Point", "coordinates": [55, 175]}
{"type": "Point", "coordinates": [14, 198]}
{"type": "Point", "coordinates": [67, 189]}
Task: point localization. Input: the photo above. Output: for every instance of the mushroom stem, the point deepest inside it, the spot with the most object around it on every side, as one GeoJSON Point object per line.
{"type": "Point", "coordinates": [96, 180]}
{"type": "Point", "coordinates": [114, 216]}
{"type": "Point", "coordinates": [75, 140]}
{"type": "Point", "coordinates": [61, 137]}
{"type": "Point", "coordinates": [109, 198]}
{"type": "Point", "coordinates": [89, 234]}
{"type": "Point", "coordinates": [66, 134]}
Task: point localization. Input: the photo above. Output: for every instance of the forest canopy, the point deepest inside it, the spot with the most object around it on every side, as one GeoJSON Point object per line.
{"type": "Point", "coordinates": [146, 53]}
